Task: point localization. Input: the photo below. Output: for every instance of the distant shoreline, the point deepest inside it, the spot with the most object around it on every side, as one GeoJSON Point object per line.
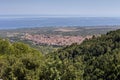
{"type": "Point", "coordinates": [87, 27]}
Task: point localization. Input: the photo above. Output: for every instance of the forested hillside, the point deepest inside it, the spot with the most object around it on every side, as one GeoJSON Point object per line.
{"type": "Point", "coordinates": [95, 59]}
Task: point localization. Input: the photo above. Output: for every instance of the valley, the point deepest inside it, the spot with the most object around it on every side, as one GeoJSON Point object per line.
{"type": "Point", "coordinates": [50, 39]}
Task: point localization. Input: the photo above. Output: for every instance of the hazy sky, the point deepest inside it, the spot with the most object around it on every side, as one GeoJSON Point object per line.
{"type": "Point", "coordinates": [104, 8]}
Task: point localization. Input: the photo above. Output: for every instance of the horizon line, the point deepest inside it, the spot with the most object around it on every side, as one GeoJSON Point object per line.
{"type": "Point", "coordinates": [34, 15]}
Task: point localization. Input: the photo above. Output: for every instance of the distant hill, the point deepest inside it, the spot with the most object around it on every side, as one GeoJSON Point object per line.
{"type": "Point", "coordinates": [95, 59]}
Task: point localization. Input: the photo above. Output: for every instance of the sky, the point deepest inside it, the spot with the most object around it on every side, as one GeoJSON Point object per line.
{"type": "Point", "coordinates": [83, 8]}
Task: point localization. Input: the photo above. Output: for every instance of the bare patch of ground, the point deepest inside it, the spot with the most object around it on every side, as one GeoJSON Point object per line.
{"type": "Point", "coordinates": [66, 29]}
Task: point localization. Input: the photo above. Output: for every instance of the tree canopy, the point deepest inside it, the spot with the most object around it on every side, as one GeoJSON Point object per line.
{"type": "Point", "coordinates": [95, 59]}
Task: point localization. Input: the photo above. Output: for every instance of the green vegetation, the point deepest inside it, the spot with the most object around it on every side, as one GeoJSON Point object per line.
{"type": "Point", "coordinates": [94, 59]}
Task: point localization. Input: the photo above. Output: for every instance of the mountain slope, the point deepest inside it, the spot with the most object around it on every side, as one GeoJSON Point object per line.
{"type": "Point", "coordinates": [95, 59]}
{"type": "Point", "coordinates": [99, 57]}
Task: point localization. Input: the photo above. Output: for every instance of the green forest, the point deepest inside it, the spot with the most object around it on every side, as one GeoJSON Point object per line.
{"type": "Point", "coordinates": [95, 59]}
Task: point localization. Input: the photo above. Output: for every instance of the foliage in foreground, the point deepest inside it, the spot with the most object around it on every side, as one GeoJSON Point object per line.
{"type": "Point", "coordinates": [94, 59]}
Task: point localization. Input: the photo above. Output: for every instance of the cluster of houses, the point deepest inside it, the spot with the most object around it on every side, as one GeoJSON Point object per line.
{"type": "Point", "coordinates": [58, 40]}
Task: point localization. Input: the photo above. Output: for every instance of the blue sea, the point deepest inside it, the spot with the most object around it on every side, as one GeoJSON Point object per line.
{"type": "Point", "coordinates": [30, 22]}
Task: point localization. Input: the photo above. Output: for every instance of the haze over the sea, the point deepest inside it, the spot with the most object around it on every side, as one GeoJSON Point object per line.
{"type": "Point", "coordinates": [41, 13]}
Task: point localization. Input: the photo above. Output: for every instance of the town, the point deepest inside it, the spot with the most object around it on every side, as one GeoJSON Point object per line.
{"type": "Point", "coordinates": [58, 40]}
